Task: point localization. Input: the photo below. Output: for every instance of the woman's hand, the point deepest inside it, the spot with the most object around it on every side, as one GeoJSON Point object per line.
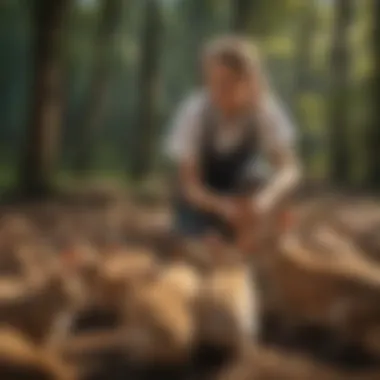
{"type": "Point", "coordinates": [235, 211]}
{"type": "Point", "coordinates": [248, 211]}
{"type": "Point", "coordinates": [229, 210]}
{"type": "Point", "coordinates": [247, 224]}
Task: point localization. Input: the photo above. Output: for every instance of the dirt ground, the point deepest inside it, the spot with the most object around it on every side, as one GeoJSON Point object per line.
{"type": "Point", "coordinates": [311, 345]}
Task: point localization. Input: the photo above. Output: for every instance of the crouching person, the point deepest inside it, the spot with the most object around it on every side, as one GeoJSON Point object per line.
{"type": "Point", "coordinates": [223, 139]}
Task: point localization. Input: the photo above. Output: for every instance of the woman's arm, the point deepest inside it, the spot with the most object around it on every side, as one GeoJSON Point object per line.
{"type": "Point", "coordinates": [193, 189]}
{"type": "Point", "coordinates": [278, 142]}
{"type": "Point", "coordinates": [285, 179]}
{"type": "Point", "coordinates": [182, 148]}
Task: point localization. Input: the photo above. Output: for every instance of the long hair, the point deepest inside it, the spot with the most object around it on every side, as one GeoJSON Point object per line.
{"type": "Point", "coordinates": [240, 55]}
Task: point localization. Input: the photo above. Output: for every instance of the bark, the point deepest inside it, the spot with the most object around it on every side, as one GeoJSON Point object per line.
{"type": "Point", "coordinates": [340, 78]}
{"type": "Point", "coordinates": [43, 136]}
{"type": "Point", "coordinates": [374, 132]}
{"type": "Point", "coordinates": [143, 147]}
{"type": "Point", "coordinates": [302, 69]}
{"type": "Point", "coordinates": [242, 15]}
{"type": "Point", "coordinates": [94, 110]}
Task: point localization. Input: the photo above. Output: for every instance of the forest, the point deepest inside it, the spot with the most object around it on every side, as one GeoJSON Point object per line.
{"type": "Point", "coordinates": [94, 284]}
{"type": "Point", "coordinates": [110, 75]}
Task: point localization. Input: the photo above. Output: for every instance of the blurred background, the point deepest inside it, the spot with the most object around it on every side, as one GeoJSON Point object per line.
{"type": "Point", "coordinates": [88, 87]}
{"type": "Point", "coordinates": [87, 92]}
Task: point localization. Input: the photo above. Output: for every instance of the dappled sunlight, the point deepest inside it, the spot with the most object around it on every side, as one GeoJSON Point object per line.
{"type": "Point", "coordinates": [189, 190]}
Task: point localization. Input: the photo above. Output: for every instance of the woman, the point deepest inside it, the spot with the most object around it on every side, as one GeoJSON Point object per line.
{"type": "Point", "coordinates": [222, 136]}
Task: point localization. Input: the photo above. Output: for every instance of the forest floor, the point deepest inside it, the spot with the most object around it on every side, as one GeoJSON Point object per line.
{"type": "Point", "coordinates": [110, 217]}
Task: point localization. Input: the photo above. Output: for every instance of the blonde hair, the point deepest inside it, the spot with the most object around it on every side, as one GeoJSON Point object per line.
{"type": "Point", "coordinates": [240, 55]}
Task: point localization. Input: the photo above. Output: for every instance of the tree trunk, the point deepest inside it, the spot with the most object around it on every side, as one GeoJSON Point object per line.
{"type": "Point", "coordinates": [93, 116]}
{"type": "Point", "coordinates": [340, 71]}
{"type": "Point", "coordinates": [374, 132]}
{"type": "Point", "coordinates": [302, 70]}
{"type": "Point", "coordinates": [197, 12]}
{"type": "Point", "coordinates": [37, 167]}
{"type": "Point", "coordinates": [144, 134]}
{"type": "Point", "coordinates": [242, 15]}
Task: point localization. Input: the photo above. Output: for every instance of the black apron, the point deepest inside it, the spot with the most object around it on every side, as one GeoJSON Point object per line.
{"type": "Point", "coordinates": [225, 173]}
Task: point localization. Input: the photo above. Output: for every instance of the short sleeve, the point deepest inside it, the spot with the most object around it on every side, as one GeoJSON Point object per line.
{"type": "Point", "coordinates": [277, 129]}
{"type": "Point", "coordinates": [182, 141]}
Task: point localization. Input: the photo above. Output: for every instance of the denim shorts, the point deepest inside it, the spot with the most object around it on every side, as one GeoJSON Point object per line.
{"type": "Point", "coordinates": [192, 222]}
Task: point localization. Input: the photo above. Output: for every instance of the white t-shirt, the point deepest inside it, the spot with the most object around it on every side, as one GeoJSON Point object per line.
{"type": "Point", "coordinates": [275, 129]}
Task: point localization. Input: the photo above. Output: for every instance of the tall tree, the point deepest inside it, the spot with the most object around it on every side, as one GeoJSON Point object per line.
{"type": "Point", "coordinates": [340, 75]}
{"type": "Point", "coordinates": [260, 17]}
{"type": "Point", "coordinates": [302, 67]}
{"type": "Point", "coordinates": [93, 115]}
{"type": "Point", "coordinates": [374, 132]}
{"type": "Point", "coordinates": [143, 146]}
{"type": "Point", "coordinates": [199, 12]}
{"type": "Point", "coordinates": [242, 13]}
{"type": "Point", "coordinates": [37, 167]}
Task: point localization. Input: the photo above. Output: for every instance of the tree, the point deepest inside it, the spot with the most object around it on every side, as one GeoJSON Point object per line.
{"type": "Point", "coordinates": [340, 76]}
{"type": "Point", "coordinates": [93, 115]}
{"type": "Point", "coordinates": [302, 67]}
{"type": "Point", "coordinates": [374, 131]}
{"type": "Point", "coordinates": [260, 17]}
{"type": "Point", "coordinates": [38, 164]}
{"type": "Point", "coordinates": [242, 12]}
{"type": "Point", "coordinates": [143, 146]}
{"type": "Point", "coordinates": [199, 12]}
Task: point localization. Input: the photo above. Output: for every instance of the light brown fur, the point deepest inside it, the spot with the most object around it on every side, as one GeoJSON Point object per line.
{"type": "Point", "coordinates": [228, 306]}
{"type": "Point", "coordinates": [17, 355]}
{"type": "Point", "coordinates": [161, 316]}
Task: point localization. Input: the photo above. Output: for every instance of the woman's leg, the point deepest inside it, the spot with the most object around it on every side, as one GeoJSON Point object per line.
{"type": "Point", "coordinates": [188, 222]}
{"type": "Point", "coordinates": [191, 222]}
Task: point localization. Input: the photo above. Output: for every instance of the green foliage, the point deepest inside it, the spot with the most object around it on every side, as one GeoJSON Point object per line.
{"type": "Point", "coordinates": [187, 24]}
